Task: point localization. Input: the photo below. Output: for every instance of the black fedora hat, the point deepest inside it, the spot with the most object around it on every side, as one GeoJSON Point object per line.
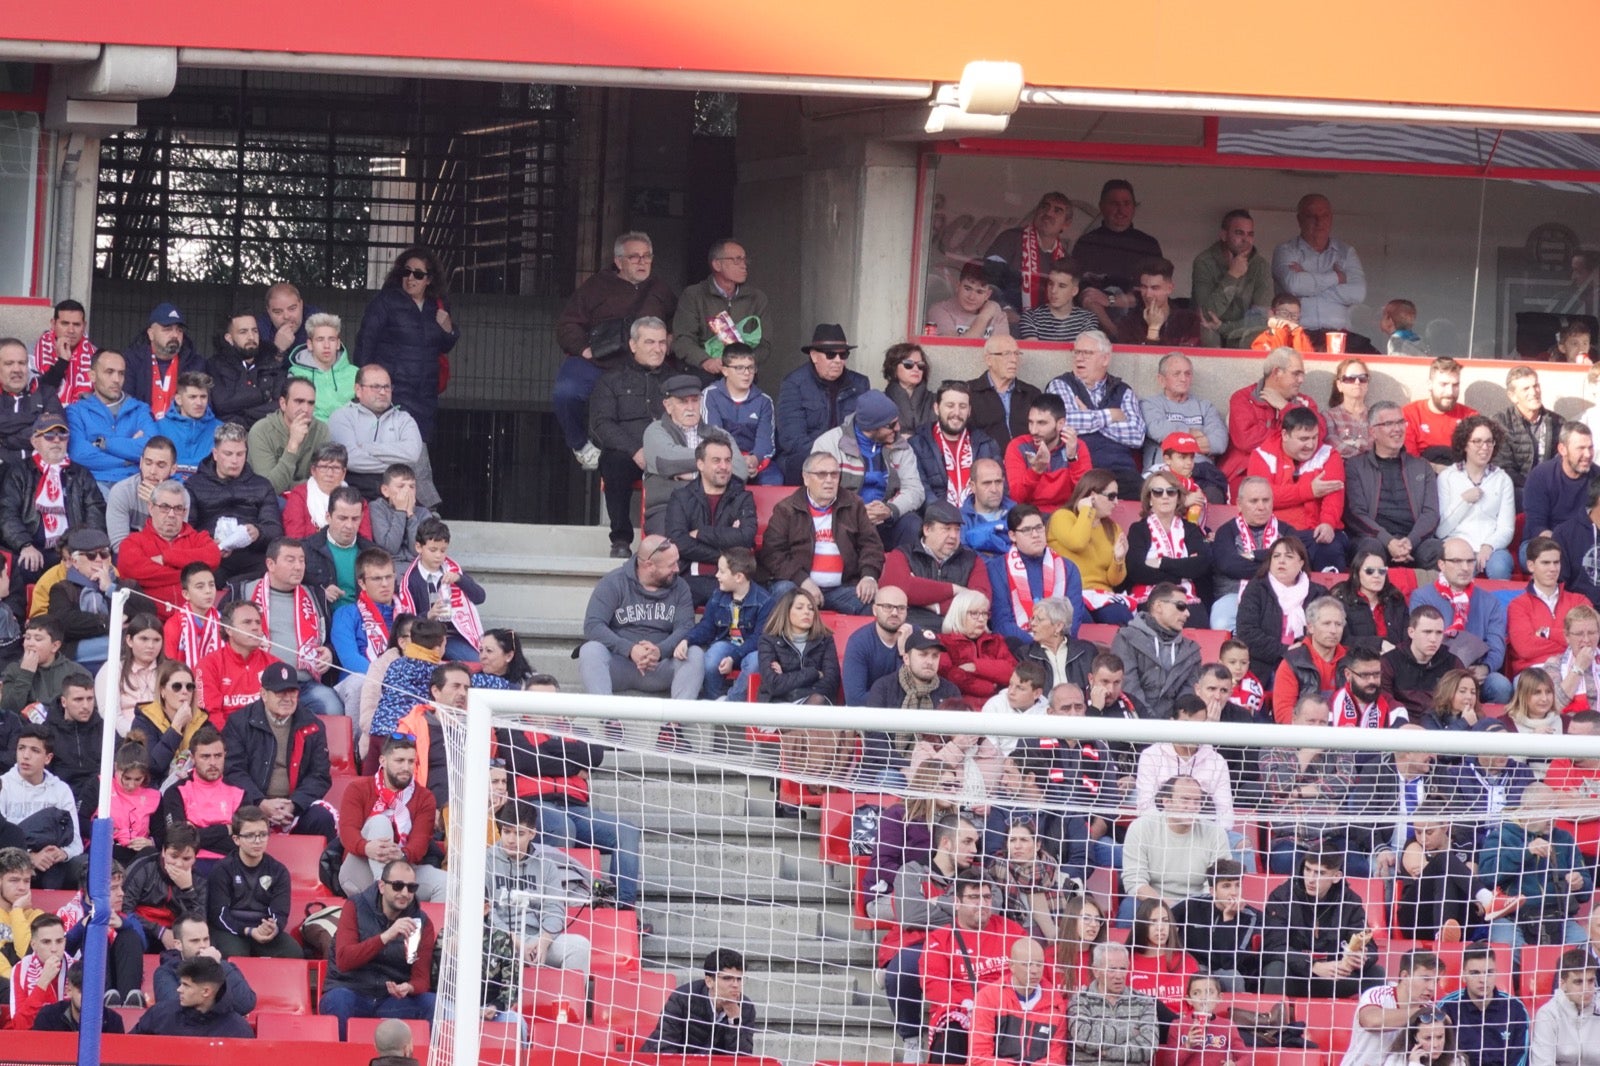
{"type": "Point", "coordinates": [830, 338]}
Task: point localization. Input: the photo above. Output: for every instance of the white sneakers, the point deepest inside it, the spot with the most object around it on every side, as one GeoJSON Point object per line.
{"type": "Point", "coordinates": [911, 1051]}
{"type": "Point", "coordinates": [588, 456]}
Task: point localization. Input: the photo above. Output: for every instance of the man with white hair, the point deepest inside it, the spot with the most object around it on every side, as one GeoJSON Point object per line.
{"type": "Point", "coordinates": [1255, 412]}
{"type": "Point", "coordinates": [1108, 1024]}
{"type": "Point", "coordinates": [1101, 408]}
{"type": "Point", "coordinates": [156, 555]}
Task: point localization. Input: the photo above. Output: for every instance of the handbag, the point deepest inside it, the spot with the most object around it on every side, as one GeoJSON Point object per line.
{"type": "Point", "coordinates": [609, 336]}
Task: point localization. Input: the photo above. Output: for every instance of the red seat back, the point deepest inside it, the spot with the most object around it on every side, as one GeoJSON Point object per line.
{"type": "Point", "coordinates": [554, 995]}
{"type": "Point", "coordinates": [1210, 641]}
{"type": "Point", "coordinates": [614, 936]}
{"type": "Point", "coordinates": [282, 986]}
{"type": "Point", "coordinates": [271, 1025]}
{"type": "Point", "coordinates": [767, 497]}
{"type": "Point", "coordinates": [630, 1004]}
{"type": "Point", "coordinates": [360, 1030]}
{"type": "Point", "coordinates": [838, 813]}
{"type": "Point", "coordinates": [302, 855]}
{"type": "Point", "coordinates": [341, 744]}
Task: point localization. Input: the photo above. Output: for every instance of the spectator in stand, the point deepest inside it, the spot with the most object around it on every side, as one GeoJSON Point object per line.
{"type": "Point", "coordinates": [397, 515]}
{"type": "Point", "coordinates": [1316, 663]}
{"type": "Point", "coordinates": [81, 601]}
{"type": "Point", "coordinates": [721, 310]}
{"type": "Point", "coordinates": [1177, 410]}
{"type": "Point", "coordinates": [798, 664]}
{"type": "Point", "coordinates": [23, 399]}
{"type": "Point", "coordinates": [405, 680]}
{"type": "Point", "coordinates": [1315, 940]}
{"type": "Point", "coordinates": [1346, 413]}
{"type": "Point", "coordinates": [192, 940]}
{"type": "Point", "coordinates": [66, 349]}
{"type": "Point", "coordinates": [729, 628]}
{"type": "Point", "coordinates": [822, 539]}
{"type": "Point", "coordinates": [1232, 285]}
{"type": "Point", "coordinates": [247, 894]}
{"type": "Point", "coordinates": [1043, 466]}
{"type": "Point", "coordinates": [1559, 486]}
{"type": "Point", "coordinates": [1026, 574]}
{"type": "Point", "coordinates": [1494, 783]}
{"type": "Point", "coordinates": [915, 685]}
{"type": "Point", "coordinates": [201, 800]}
{"type": "Point", "coordinates": [636, 626]}
{"type": "Point", "coordinates": [197, 1009]}
{"type": "Point", "coordinates": [1536, 877]}
{"type": "Point", "coordinates": [382, 953]}
{"type": "Point", "coordinates": [983, 515]}
{"type": "Point", "coordinates": [1108, 1023]}
{"type": "Point", "coordinates": [1412, 670]}
{"type": "Point", "coordinates": [1535, 619]}
{"type": "Point", "coordinates": [1389, 1016]}
{"type": "Point", "coordinates": [1324, 272]}
{"type": "Point", "coordinates": [1566, 1030]}
{"type": "Point", "coordinates": [816, 398]}
{"type": "Point", "coordinates": [450, 592]}
{"type": "Point", "coordinates": [157, 554]}
{"type": "Point", "coordinates": [298, 613]}
{"type": "Point", "coordinates": [375, 432]}
{"type": "Point", "coordinates": [1178, 458]}
{"type": "Point", "coordinates": [247, 380]}
{"type": "Point", "coordinates": [953, 969]}
{"type": "Point", "coordinates": [1065, 657]}
{"type": "Point", "coordinates": [1387, 794]}
{"type": "Point", "coordinates": [624, 404]}
{"type": "Point", "coordinates": [1272, 609]}
{"type": "Point", "coordinates": [1001, 400]}
{"type": "Point", "coordinates": [1164, 547]}
{"type": "Point", "coordinates": [1256, 412]}
{"type": "Point", "coordinates": [387, 817]}
{"type": "Point", "coordinates": [1283, 327]}
{"type": "Point", "coordinates": [1399, 320]}
{"type": "Point", "coordinates": [935, 568]}
{"type": "Point", "coordinates": [1531, 429]}
{"type": "Point", "coordinates": [1159, 323]}
{"type": "Point", "coordinates": [1433, 885]}
{"type": "Point", "coordinates": [282, 449]}
{"type": "Point", "coordinates": [972, 311]}
{"type": "Point", "coordinates": [948, 449]}
{"type": "Point", "coordinates": [1020, 1021]}
{"type": "Point", "coordinates": [1161, 968]}
{"type": "Point", "coordinates": [1167, 851]}
{"type": "Point", "coordinates": [128, 502]}
{"type": "Point", "coordinates": [1431, 422]}
{"type": "Point", "coordinates": [17, 911]}
{"type": "Point", "coordinates": [1457, 704]}
{"type": "Point", "coordinates": [333, 551]}
{"type": "Point", "coordinates": [1533, 705]}
{"type": "Point", "coordinates": [1243, 546]}
{"type": "Point", "coordinates": [134, 804]}
{"type": "Point", "coordinates": [406, 328]}
{"type": "Point", "coordinates": [1574, 671]}
{"type": "Point", "coordinates": [1572, 344]}
{"type": "Point", "coordinates": [157, 359]}
{"type": "Point", "coordinates": [36, 678]}
{"type": "Point", "coordinates": [977, 662]}
{"type": "Point", "coordinates": [448, 686]}
{"type": "Point", "coordinates": [1477, 501]}
{"type": "Point", "coordinates": [1058, 321]}
{"type": "Point", "coordinates": [1161, 662]}
{"type": "Point", "coordinates": [708, 1017]}
{"type": "Point", "coordinates": [1391, 497]}
{"type": "Point", "coordinates": [669, 447]}
{"type": "Point", "coordinates": [905, 381]}
{"type": "Point", "coordinates": [735, 405]}
{"type": "Point", "coordinates": [41, 805]}
{"type": "Point", "coordinates": [279, 731]}
{"type": "Point", "coordinates": [1475, 620]}
{"type": "Point", "coordinates": [1162, 761]}
{"type": "Point", "coordinates": [66, 1014]}
{"type": "Point", "coordinates": [164, 888]}
{"type": "Point", "coordinates": [1376, 612]}
{"type": "Point", "coordinates": [230, 677]}
{"type": "Point", "coordinates": [873, 651]}
{"type": "Point", "coordinates": [188, 423]}
{"type": "Point", "coordinates": [1491, 1026]}
{"type": "Point", "coordinates": [283, 325]}
{"type": "Point", "coordinates": [41, 500]}
{"type": "Point", "coordinates": [1101, 408]}
{"type": "Point", "coordinates": [1576, 536]}
{"type": "Point", "coordinates": [877, 466]}
{"type": "Point", "coordinates": [1111, 254]}
{"type": "Point", "coordinates": [1025, 253]}
{"type": "Point", "coordinates": [709, 516]}
{"type": "Point", "coordinates": [322, 360]}
{"type": "Point", "coordinates": [1085, 533]}
{"type": "Point", "coordinates": [1218, 929]}
{"type": "Point", "coordinates": [236, 506]}
{"type": "Point", "coordinates": [77, 731]}
{"type": "Point", "coordinates": [594, 330]}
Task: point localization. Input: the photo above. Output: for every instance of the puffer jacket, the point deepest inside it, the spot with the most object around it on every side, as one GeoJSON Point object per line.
{"type": "Point", "coordinates": [124, 435]}
{"type": "Point", "coordinates": [141, 365]}
{"type": "Point", "coordinates": [903, 491]}
{"type": "Point", "coordinates": [812, 672]}
{"type": "Point", "coordinates": [249, 498]}
{"type": "Point", "coordinates": [19, 511]}
{"type": "Point", "coordinates": [1161, 667]}
{"type": "Point", "coordinates": [246, 394]}
{"type": "Point", "coordinates": [193, 437]}
{"type": "Point", "coordinates": [930, 457]}
{"type": "Point", "coordinates": [805, 412]}
{"type": "Point", "coordinates": [406, 341]}
{"type": "Point", "coordinates": [624, 403]}
{"type": "Point", "coordinates": [251, 748]}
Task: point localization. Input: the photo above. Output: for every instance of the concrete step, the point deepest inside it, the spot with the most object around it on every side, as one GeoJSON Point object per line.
{"type": "Point", "coordinates": [811, 1000]}
{"type": "Point", "coordinates": [766, 952]}
{"type": "Point", "coordinates": [512, 540]}
{"type": "Point", "coordinates": [707, 886]}
{"type": "Point", "coordinates": [849, 1044]}
{"type": "Point", "coordinates": [731, 921]}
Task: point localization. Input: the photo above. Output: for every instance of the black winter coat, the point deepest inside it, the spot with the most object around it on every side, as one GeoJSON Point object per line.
{"type": "Point", "coordinates": [624, 403]}
{"type": "Point", "coordinates": [141, 365]}
{"type": "Point", "coordinates": [691, 1025]}
{"type": "Point", "coordinates": [1260, 624]}
{"type": "Point", "coordinates": [1361, 628]}
{"type": "Point", "coordinates": [17, 415]}
{"type": "Point", "coordinates": [251, 748]}
{"type": "Point", "coordinates": [406, 341]}
{"type": "Point", "coordinates": [249, 498]}
{"type": "Point", "coordinates": [246, 394]}
{"type": "Point", "coordinates": [688, 509]}
{"type": "Point", "coordinates": [814, 672]}
{"type": "Point", "coordinates": [19, 514]}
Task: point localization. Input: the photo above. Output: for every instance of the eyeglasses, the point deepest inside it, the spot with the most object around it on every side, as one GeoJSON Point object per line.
{"type": "Point", "coordinates": [1356, 379]}
{"type": "Point", "coordinates": [1392, 423]}
{"type": "Point", "coordinates": [180, 686]}
{"type": "Point", "coordinates": [831, 355]}
{"type": "Point", "coordinates": [419, 275]}
{"type": "Point", "coordinates": [169, 508]}
{"type": "Point", "coordinates": [640, 257]}
{"type": "Point", "coordinates": [403, 886]}
{"type": "Point", "coordinates": [912, 364]}
{"type": "Point", "coordinates": [1160, 490]}
{"type": "Point", "coordinates": [1364, 675]}
{"type": "Point", "coordinates": [977, 614]}
{"type": "Point", "coordinates": [1481, 442]}
{"type": "Point", "coordinates": [1458, 561]}
{"type": "Point", "coordinates": [736, 260]}
{"type": "Point", "coordinates": [826, 475]}
{"type": "Point", "coordinates": [253, 837]}
{"type": "Point", "coordinates": [1030, 529]}
{"type": "Point", "coordinates": [661, 545]}
{"type": "Point", "coordinates": [738, 368]}
{"type": "Point", "coordinates": [892, 608]}
{"type": "Point", "coordinates": [54, 436]}
{"type": "Point", "coordinates": [1375, 571]}
{"type": "Point", "coordinates": [378, 388]}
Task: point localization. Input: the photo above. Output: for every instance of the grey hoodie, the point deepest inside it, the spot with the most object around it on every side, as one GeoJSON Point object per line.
{"type": "Point", "coordinates": [1160, 667]}
{"type": "Point", "coordinates": [622, 612]}
{"type": "Point", "coordinates": [554, 880]}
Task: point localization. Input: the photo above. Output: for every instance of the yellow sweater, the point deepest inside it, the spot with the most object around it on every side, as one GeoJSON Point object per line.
{"type": "Point", "coordinates": [1080, 536]}
{"type": "Point", "coordinates": [19, 920]}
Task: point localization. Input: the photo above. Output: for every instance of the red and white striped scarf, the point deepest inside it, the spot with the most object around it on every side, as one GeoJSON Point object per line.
{"type": "Point", "coordinates": [1167, 543]}
{"type": "Point", "coordinates": [1247, 540]}
{"type": "Point", "coordinates": [51, 500]}
{"type": "Point", "coordinates": [79, 379]}
{"type": "Point", "coordinates": [1460, 603]}
{"type": "Point", "coordinates": [373, 627]}
{"type": "Point", "coordinates": [392, 803]}
{"type": "Point", "coordinates": [25, 978]}
{"type": "Point", "coordinates": [1054, 582]}
{"type": "Point", "coordinates": [957, 466]}
{"type": "Point", "coordinates": [307, 639]}
{"type": "Point", "coordinates": [198, 637]}
{"type": "Point", "coordinates": [1032, 265]}
{"type": "Point", "coordinates": [463, 615]}
{"type": "Point", "coordinates": [827, 564]}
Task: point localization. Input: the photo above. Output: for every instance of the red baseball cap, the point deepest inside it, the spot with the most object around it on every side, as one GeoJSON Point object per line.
{"type": "Point", "coordinates": [1182, 443]}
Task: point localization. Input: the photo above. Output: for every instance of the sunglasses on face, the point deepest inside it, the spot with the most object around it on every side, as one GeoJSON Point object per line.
{"type": "Point", "coordinates": [832, 355]}
{"type": "Point", "coordinates": [1375, 571]}
{"type": "Point", "coordinates": [1161, 491]}
{"type": "Point", "coordinates": [1356, 379]}
{"type": "Point", "coordinates": [1112, 496]}
{"type": "Point", "coordinates": [1178, 605]}
{"type": "Point", "coordinates": [912, 364]}
{"type": "Point", "coordinates": [54, 436]}
{"type": "Point", "coordinates": [420, 275]}
{"type": "Point", "coordinates": [96, 554]}
{"type": "Point", "coordinates": [403, 886]}
{"type": "Point", "coordinates": [180, 686]}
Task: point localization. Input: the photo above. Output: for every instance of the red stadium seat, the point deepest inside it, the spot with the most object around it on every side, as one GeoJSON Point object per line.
{"type": "Point", "coordinates": [360, 1030]}
{"type": "Point", "coordinates": [614, 935]}
{"type": "Point", "coordinates": [588, 858]}
{"type": "Point", "coordinates": [302, 855]}
{"type": "Point", "coordinates": [336, 789]}
{"type": "Point", "coordinates": [632, 1004]}
{"type": "Point", "coordinates": [583, 1045]}
{"type": "Point", "coordinates": [1210, 641]}
{"type": "Point", "coordinates": [1100, 633]}
{"type": "Point", "coordinates": [53, 899]}
{"type": "Point", "coordinates": [271, 1025]}
{"type": "Point", "coordinates": [1327, 1021]}
{"type": "Point", "coordinates": [282, 986]}
{"type": "Point", "coordinates": [1538, 976]}
{"type": "Point", "coordinates": [838, 812]}
{"type": "Point", "coordinates": [498, 1045]}
{"type": "Point", "coordinates": [1326, 580]}
{"type": "Point", "coordinates": [554, 995]}
{"type": "Point", "coordinates": [131, 1015]}
{"type": "Point", "coordinates": [341, 744]}
{"type": "Point", "coordinates": [1255, 888]}
{"type": "Point", "coordinates": [1374, 893]}
{"type": "Point", "coordinates": [1219, 514]}
{"type": "Point", "coordinates": [1125, 513]}
{"type": "Point", "coordinates": [767, 497]}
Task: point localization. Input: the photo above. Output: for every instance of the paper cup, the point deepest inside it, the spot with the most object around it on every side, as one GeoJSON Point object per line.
{"type": "Point", "coordinates": [1336, 339]}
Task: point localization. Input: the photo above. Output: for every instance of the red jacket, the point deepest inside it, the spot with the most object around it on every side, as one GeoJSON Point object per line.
{"type": "Point", "coordinates": [989, 653]}
{"type": "Point", "coordinates": [1527, 617]}
{"type": "Point", "coordinates": [1252, 420]}
{"type": "Point", "coordinates": [229, 683]}
{"type": "Point", "coordinates": [1162, 977]}
{"type": "Point", "coordinates": [1051, 489]}
{"type": "Point", "coordinates": [297, 516]}
{"type": "Point", "coordinates": [1292, 499]}
{"type": "Point", "coordinates": [356, 806]}
{"type": "Point", "coordinates": [1026, 1034]}
{"type": "Point", "coordinates": [947, 986]}
{"type": "Point", "coordinates": [161, 581]}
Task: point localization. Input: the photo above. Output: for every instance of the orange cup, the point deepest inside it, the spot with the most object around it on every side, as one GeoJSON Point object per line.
{"type": "Point", "coordinates": [1336, 339]}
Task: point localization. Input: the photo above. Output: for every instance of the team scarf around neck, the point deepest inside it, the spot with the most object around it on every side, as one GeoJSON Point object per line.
{"type": "Point", "coordinates": [1349, 712]}
{"type": "Point", "coordinates": [1247, 540]}
{"type": "Point", "coordinates": [957, 466]}
{"type": "Point", "coordinates": [1460, 603]}
{"type": "Point", "coordinates": [1167, 542]}
{"type": "Point", "coordinates": [463, 615]}
{"type": "Point", "coordinates": [373, 627]}
{"type": "Point", "coordinates": [51, 500]}
{"type": "Point", "coordinates": [393, 803]}
{"type": "Point", "coordinates": [1032, 265]}
{"type": "Point", "coordinates": [1054, 578]}
{"type": "Point", "coordinates": [79, 379]}
{"type": "Point", "coordinates": [307, 641]}
{"type": "Point", "coordinates": [198, 637]}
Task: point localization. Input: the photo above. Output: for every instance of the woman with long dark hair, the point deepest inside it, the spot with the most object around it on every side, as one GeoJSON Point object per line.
{"type": "Point", "coordinates": [1375, 610]}
{"type": "Point", "coordinates": [405, 330]}
{"type": "Point", "coordinates": [500, 655]}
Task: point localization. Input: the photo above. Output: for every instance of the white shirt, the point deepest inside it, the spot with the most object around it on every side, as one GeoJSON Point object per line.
{"type": "Point", "coordinates": [1369, 1047]}
{"type": "Point", "coordinates": [1325, 301]}
{"type": "Point", "coordinates": [1161, 762]}
{"type": "Point", "coordinates": [1000, 703]}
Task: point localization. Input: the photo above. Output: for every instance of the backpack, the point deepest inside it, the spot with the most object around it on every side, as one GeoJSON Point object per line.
{"type": "Point", "coordinates": [864, 830]}
{"type": "Point", "coordinates": [318, 927]}
{"type": "Point", "coordinates": [328, 866]}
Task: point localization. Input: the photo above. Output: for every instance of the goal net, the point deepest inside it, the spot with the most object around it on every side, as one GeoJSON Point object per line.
{"type": "Point", "coordinates": [891, 885]}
